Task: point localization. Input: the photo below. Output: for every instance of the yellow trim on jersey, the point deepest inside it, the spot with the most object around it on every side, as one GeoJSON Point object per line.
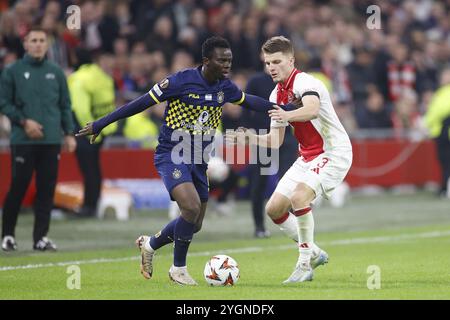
{"type": "Point", "coordinates": [242, 99]}
{"type": "Point", "coordinates": [153, 96]}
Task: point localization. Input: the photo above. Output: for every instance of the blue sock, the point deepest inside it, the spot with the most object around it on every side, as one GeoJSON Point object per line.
{"type": "Point", "coordinates": [183, 234]}
{"type": "Point", "coordinates": [165, 236]}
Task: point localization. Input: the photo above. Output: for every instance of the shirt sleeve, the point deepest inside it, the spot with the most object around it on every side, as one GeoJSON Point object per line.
{"type": "Point", "coordinates": [7, 106]}
{"type": "Point", "coordinates": [234, 95]}
{"type": "Point", "coordinates": [167, 88]}
{"type": "Point", "coordinates": [305, 84]}
{"type": "Point", "coordinates": [67, 123]}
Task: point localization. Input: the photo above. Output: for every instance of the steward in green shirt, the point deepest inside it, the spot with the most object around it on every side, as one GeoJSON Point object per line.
{"type": "Point", "coordinates": [34, 96]}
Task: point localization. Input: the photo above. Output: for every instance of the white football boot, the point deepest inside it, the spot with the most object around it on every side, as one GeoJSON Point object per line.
{"type": "Point", "coordinates": [181, 276]}
{"type": "Point", "coordinates": [302, 272]}
{"type": "Point", "coordinates": [320, 259]}
{"type": "Point", "coordinates": [146, 257]}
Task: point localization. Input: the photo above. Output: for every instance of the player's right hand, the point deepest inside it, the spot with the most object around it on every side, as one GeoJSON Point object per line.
{"type": "Point", "coordinates": [87, 130]}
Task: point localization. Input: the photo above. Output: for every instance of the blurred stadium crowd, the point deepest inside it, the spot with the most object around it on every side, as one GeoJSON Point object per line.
{"type": "Point", "coordinates": [379, 78]}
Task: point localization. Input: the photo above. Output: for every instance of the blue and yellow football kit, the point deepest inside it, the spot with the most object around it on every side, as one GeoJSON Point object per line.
{"type": "Point", "coordinates": [194, 109]}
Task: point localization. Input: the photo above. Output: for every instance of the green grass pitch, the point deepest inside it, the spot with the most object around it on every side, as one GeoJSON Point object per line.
{"type": "Point", "coordinates": [395, 234]}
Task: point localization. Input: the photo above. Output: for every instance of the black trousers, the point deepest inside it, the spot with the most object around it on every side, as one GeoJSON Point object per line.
{"type": "Point", "coordinates": [443, 151]}
{"type": "Point", "coordinates": [26, 159]}
{"type": "Point", "coordinates": [88, 156]}
{"type": "Point", "coordinates": [226, 186]}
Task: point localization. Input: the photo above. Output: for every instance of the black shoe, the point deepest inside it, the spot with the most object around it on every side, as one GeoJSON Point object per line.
{"type": "Point", "coordinates": [86, 212]}
{"type": "Point", "coordinates": [262, 234]}
{"type": "Point", "coordinates": [9, 243]}
{"type": "Point", "coordinates": [45, 244]}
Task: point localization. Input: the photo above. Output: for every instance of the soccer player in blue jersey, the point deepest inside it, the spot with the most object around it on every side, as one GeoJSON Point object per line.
{"type": "Point", "coordinates": [195, 98]}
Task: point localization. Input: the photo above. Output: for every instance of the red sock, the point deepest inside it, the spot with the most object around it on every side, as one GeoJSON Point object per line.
{"type": "Point", "coordinates": [281, 219]}
{"type": "Point", "coordinates": [301, 212]}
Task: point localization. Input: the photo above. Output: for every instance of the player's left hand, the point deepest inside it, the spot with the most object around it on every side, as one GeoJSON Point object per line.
{"type": "Point", "coordinates": [278, 114]}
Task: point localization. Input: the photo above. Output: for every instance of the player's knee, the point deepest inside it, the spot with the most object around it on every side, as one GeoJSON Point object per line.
{"type": "Point", "coordinates": [190, 210]}
{"type": "Point", "coordinates": [300, 201]}
{"type": "Point", "coordinates": [273, 210]}
{"type": "Point", "coordinates": [302, 197]}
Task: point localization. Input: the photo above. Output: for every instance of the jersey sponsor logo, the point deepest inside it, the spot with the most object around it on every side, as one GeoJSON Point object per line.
{"type": "Point", "coordinates": [157, 90]}
{"type": "Point", "coordinates": [176, 174]}
{"type": "Point", "coordinates": [50, 76]}
{"type": "Point", "coordinates": [194, 126]}
{"type": "Point", "coordinates": [220, 97]}
{"type": "Point", "coordinates": [194, 96]}
{"type": "Point", "coordinates": [203, 117]}
{"type": "Point", "coordinates": [26, 75]}
{"type": "Point", "coordinates": [164, 83]}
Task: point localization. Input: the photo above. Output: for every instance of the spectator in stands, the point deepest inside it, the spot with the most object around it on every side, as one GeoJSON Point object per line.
{"type": "Point", "coordinates": [374, 113]}
{"type": "Point", "coordinates": [405, 115]}
{"type": "Point", "coordinates": [57, 51]}
{"type": "Point", "coordinates": [401, 72]}
{"type": "Point", "coordinates": [99, 29]}
{"type": "Point", "coordinates": [92, 92]}
{"type": "Point", "coordinates": [9, 34]}
{"type": "Point", "coordinates": [162, 38]}
{"type": "Point", "coordinates": [360, 75]}
{"type": "Point", "coordinates": [34, 96]}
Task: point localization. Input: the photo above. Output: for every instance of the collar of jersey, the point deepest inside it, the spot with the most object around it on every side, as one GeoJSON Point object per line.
{"type": "Point", "coordinates": [199, 70]}
{"type": "Point", "coordinates": [29, 59]}
{"type": "Point", "coordinates": [288, 83]}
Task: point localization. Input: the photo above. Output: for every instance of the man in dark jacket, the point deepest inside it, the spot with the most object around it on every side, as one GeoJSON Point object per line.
{"type": "Point", "coordinates": [261, 85]}
{"type": "Point", "coordinates": [34, 96]}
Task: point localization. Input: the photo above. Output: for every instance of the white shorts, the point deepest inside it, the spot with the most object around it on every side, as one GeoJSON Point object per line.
{"type": "Point", "coordinates": [323, 174]}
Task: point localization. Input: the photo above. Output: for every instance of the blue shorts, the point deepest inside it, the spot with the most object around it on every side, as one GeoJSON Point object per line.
{"type": "Point", "coordinates": [174, 174]}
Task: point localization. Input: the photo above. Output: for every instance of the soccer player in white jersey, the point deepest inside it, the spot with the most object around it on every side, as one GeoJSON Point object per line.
{"type": "Point", "coordinates": [324, 147]}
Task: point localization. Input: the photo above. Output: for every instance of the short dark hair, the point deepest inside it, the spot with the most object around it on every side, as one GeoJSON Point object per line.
{"type": "Point", "coordinates": [211, 43]}
{"type": "Point", "coordinates": [37, 29]}
{"type": "Point", "coordinates": [278, 44]}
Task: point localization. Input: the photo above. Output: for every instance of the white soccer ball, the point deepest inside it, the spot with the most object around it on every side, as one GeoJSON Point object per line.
{"type": "Point", "coordinates": [221, 270]}
{"type": "Point", "coordinates": [218, 170]}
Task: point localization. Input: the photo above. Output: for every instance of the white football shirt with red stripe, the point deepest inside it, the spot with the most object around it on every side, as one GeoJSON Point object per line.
{"type": "Point", "coordinates": [322, 134]}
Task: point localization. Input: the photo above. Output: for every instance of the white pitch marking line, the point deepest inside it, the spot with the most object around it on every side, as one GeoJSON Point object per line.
{"type": "Point", "coordinates": [406, 236]}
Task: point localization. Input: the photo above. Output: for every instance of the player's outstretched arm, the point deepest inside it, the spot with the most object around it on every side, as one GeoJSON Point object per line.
{"type": "Point", "coordinates": [308, 111]}
{"type": "Point", "coordinates": [127, 110]}
{"type": "Point", "coordinates": [243, 136]}
{"type": "Point", "coordinates": [259, 104]}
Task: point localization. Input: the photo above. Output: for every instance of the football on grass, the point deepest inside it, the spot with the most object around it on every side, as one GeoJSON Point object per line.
{"type": "Point", "coordinates": [221, 270]}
